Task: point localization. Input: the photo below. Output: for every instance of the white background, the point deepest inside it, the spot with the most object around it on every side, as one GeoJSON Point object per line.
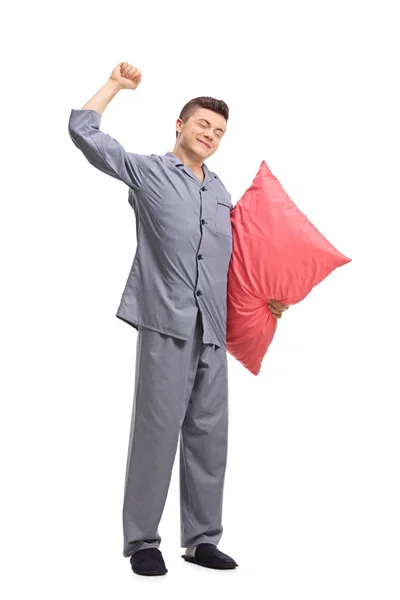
{"type": "Point", "coordinates": [311, 505]}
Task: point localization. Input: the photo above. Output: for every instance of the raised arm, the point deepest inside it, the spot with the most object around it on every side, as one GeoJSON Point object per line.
{"type": "Point", "coordinates": [101, 150]}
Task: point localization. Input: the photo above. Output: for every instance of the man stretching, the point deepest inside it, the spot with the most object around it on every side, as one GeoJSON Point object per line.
{"type": "Point", "coordinates": [175, 297]}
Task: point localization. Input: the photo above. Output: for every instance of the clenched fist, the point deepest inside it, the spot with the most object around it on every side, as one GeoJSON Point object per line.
{"type": "Point", "coordinates": [127, 76]}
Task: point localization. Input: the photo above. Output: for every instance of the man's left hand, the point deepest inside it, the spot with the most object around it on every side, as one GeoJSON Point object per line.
{"type": "Point", "coordinates": [277, 308]}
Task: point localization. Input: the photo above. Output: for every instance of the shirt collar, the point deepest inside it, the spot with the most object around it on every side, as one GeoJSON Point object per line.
{"type": "Point", "coordinates": [174, 158]}
{"type": "Point", "coordinates": [177, 162]}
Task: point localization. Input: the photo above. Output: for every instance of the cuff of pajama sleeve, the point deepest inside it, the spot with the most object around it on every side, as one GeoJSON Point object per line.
{"type": "Point", "coordinates": [89, 113]}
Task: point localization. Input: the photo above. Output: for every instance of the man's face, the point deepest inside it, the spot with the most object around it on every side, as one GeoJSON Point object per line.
{"type": "Point", "coordinates": [202, 133]}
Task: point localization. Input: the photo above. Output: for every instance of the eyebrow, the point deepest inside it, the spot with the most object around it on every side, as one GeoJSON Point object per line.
{"type": "Point", "coordinates": [208, 123]}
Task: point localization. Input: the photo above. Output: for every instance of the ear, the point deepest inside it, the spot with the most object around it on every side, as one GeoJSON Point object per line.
{"type": "Point", "coordinates": [179, 125]}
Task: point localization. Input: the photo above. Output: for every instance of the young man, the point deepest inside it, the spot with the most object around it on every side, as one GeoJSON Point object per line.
{"type": "Point", "coordinates": [175, 296]}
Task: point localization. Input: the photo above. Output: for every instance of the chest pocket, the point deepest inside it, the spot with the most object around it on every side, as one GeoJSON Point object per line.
{"type": "Point", "coordinates": [223, 221]}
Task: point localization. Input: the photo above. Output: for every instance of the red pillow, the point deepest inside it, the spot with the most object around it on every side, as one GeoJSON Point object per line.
{"type": "Point", "coordinates": [277, 254]}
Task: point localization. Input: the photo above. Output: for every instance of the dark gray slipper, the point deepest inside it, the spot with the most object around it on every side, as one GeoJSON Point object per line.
{"type": "Point", "coordinates": [148, 561]}
{"type": "Point", "coordinates": [208, 555]}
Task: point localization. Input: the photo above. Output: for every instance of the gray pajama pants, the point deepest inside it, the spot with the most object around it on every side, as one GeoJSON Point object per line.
{"type": "Point", "coordinates": [181, 394]}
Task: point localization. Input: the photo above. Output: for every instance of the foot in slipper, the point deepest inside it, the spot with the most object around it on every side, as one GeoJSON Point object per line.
{"type": "Point", "coordinates": [148, 561]}
{"type": "Point", "coordinates": [208, 555]}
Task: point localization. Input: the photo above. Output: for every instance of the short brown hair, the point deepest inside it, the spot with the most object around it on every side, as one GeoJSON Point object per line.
{"type": "Point", "coordinates": [218, 106]}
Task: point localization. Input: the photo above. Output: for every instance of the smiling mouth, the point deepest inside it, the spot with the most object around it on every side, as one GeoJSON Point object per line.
{"type": "Point", "coordinates": [206, 145]}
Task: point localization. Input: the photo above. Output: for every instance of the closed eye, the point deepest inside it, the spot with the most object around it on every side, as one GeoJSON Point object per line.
{"type": "Point", "coordinates": [217, 134]}
{"type": "Point", "coordinates": [208, 123]}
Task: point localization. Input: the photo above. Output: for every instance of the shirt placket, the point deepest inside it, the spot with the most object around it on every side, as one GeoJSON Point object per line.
{"type": "Point", "coordinates": [205, 221]}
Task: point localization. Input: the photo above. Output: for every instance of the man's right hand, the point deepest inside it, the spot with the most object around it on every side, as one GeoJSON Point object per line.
{"type": "Point", "coordinates": [127, 76]}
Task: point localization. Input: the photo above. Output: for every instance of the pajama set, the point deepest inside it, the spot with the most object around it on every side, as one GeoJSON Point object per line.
{"type": "Point", "coordinates": [175, 297]}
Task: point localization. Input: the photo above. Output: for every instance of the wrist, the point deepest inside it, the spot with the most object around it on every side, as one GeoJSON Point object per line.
{"type": "Point", "coordinates": [113, 86]}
